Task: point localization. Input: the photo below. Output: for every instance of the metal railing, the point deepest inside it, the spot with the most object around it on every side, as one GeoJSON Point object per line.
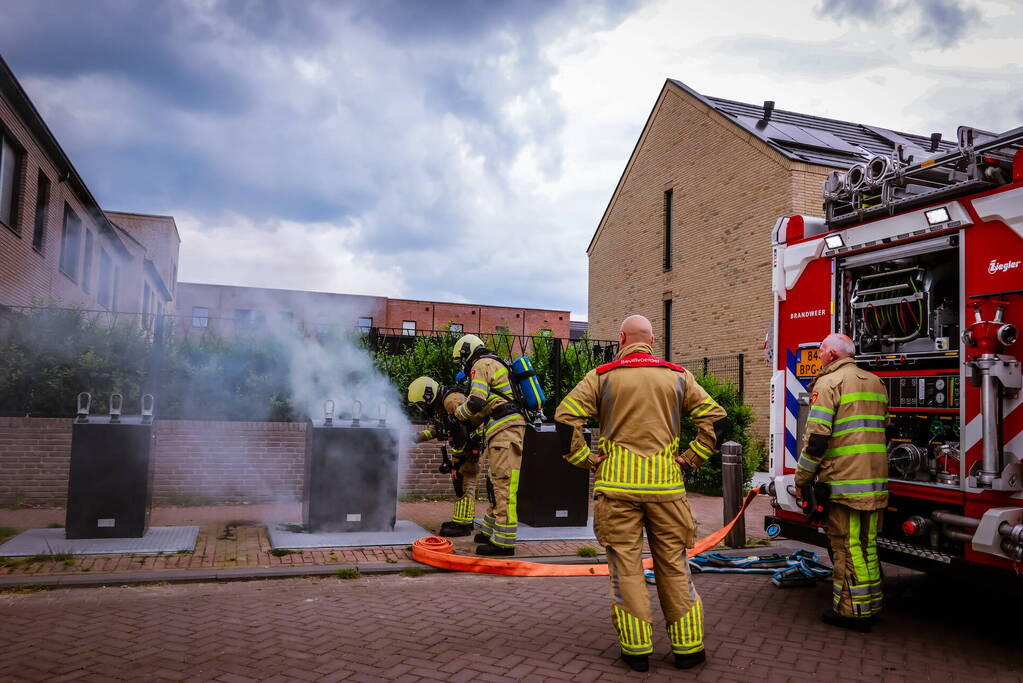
{"type": "Point", "coordinates": [725, 368]}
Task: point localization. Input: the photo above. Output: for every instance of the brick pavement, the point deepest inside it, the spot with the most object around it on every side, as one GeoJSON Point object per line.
{"type": "Point", "coordinates": [458, 627]}
{"type": "Point", "coordinates": [232, 537]}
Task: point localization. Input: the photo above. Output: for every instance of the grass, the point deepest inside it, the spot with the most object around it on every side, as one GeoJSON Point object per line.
{"type": "Point", "coordinates": [280, 552]}
{"type": "Point", "coordinates": [50, 557]}
{"type": "Point", "coordinates": [587, 551]}
{"type": "Point", "coordinates": [412, 572]}
{"type": "Point", "coordinates": [184, 552]}
{"type": "Point", "coordinates": [348, 573]}
{"type": "Point", "coordinates": [391, 560]}
{"type": "Point", "coordinates": [54, 525]}
{"type": "Point", "coordinates": [7, 531]}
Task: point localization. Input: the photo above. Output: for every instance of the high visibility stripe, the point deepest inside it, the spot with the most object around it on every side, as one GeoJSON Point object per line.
{"type": "Point", "coordinates": [856, 430]}
{"type": "Point", "coordinates": [504, 420]}
{"type": "Point", "coordinates": [634, 488]}
{"type": "Point", "coordinates": [634, 635]}
{"type": "Point", "coordinates": [856, 448]}
{"type": "Point", "coordinates": [465, 510]}
{"type": "Point", "coordinates": [573, 407]}
{"type": "Point", "coordinates": [686, 634]}
{"type": "Point", "coordinates": [700, 448]}
{"type": "Point", "coordinates": [513, 500]}
{"type": "Point", "coordinates": [579, 456]}
{"type": "Point", "coordinates": [626, 471]}
{"type": "Point", "coordinates": [426, 435]}
{"type": "Point", "coordinates": [850, 418]}
{"type": "Point", "coordinates": [501, 372]}
{"type": "Point", "coordinates": [807, 464]}
{"type": "Point", "coordinates": [818, 414]}
{"type": "Point", "coordinates": [855, 549]}
{"type": "Point", "coordinates": [704, 408]}
{"type": "Point", "coordinates": [824, 408]}
{"type": "Point", "coordinates": [862, 396]}
{"type": "Point", "coordinates": [819, 420]}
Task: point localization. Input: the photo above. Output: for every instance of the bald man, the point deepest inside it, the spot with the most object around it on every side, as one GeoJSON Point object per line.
{"type": "Point", "coordinates": [846, 448]}
{"type": "Point", "coordinates": [639, 401]}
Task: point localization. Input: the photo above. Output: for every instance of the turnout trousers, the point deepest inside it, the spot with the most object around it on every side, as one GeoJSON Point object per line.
{"type": "Point", "coordinates": [857, 579]}
{"type": "Point", "coordinates": [670, 529]}
{"type": "Point", "coordinates": [504, 453]}
{"type": "Point", "coordinates": [465, 488]}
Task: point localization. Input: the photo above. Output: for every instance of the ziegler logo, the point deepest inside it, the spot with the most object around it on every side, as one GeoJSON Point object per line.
{"type": "Point", "coordinates": [807, 314]}
{"type": "Point", "coordinates": [996, 267]}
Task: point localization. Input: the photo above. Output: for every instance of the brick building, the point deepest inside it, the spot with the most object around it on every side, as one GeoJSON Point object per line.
{"type": "Point", "coordinates": [227, 308]}
{"type": "Point", "coordinates": [686, 237]}
{"type": "Point", "coordinates": [56, 244]}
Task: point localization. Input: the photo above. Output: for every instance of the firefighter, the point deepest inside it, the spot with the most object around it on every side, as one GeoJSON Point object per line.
{"type": "Point", "coordinates": [492, 398]}
{"type": "Point", "coordinates": [638, 401]}
{"type": "Point", "coordinates": [437, 404]}
{"type": "Point", "coordinates": [845, 448]}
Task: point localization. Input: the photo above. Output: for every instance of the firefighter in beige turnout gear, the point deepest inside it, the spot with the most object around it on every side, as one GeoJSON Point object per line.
{"type": "Point", "coordinates": [845, 448]}
{"type": "Point", "coordinates": [639, 401]}
{"type": "Point", "coordinates": [491, 398]}
{"type": "Point", "coordinates": [438, 405]}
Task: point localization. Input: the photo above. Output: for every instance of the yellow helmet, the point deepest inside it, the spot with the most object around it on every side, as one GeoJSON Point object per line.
{"type": "Point", "coordinates": [423, 391]}
{"type": "Point", "coordinates": [465, 346]}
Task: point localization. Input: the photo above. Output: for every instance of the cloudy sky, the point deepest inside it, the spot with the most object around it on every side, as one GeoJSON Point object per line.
{"type": "Point", "coordinates": [462, 149]}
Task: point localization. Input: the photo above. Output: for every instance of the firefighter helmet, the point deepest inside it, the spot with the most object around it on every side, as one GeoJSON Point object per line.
{"type": "Point", "coordinates": [465, 346]}
{"type": "Point", "coordinates": [423, 391]}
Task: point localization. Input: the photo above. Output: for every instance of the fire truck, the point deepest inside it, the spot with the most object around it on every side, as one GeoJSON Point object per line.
{"type": "Point", "coordinates": [918, 259]}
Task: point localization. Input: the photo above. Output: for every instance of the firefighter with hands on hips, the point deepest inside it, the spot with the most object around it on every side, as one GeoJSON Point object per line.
{"type": "Point", "coordinates": [492, 399]}
{"type": "Point", "coordinates": [438, 405]}
{"type": "Point", "coordinates": [639, 401]}
{"type": "Point", "coordinates": [846, 449]}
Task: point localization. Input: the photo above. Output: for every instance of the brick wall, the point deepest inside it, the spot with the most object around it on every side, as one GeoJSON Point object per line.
{"type": "Point", "coordinates": [728, 189]}
{"type": "Point", "coordinates": [195, 462]}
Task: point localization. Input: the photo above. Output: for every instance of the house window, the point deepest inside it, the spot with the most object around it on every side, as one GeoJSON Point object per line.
{"type": "Point", "coordinates": [287, 318]}
{"type": "Point", "coordinates": [408, 327]}
{"type": "Point", "coordinates": [200, 316]}
{"type": "Point", "coordinates": [9, 162]}
{"type": "Point", "coordinates": [42, 209]}
{"type": "Point", "coordinates": [244, 318]}
{"type": "Point", "coordinates": [117, 289]}
{"type": "Point", "coordinates": [667, 329]}
{"type": "Point", "coordinates": [323, 327]}
{"type": "Point", "coordinates": [146, 297]}
{"type": "Point", "coordinates": [87, 263]}
{"type": "Point", "coordinates": [667, 229]}
{"type": "Point", "coordinates": [70, 243]}
{"type": "Point", "coordinates": [365, 323]}
{"type": "Point", "coordinates": [456, 328]}
{"type": "Point", "coordinates": [105, 279]}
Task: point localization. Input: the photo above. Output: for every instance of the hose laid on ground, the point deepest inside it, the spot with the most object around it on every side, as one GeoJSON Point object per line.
{"type": "Point", "coordinates": [438, 552]}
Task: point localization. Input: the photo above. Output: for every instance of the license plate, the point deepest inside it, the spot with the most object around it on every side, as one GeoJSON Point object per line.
{"type": "Point", "coordinates": [809, 363]}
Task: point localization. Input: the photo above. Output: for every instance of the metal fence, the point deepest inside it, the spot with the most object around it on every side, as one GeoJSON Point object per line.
{"type": "Point", "coordinates": [725, 368]}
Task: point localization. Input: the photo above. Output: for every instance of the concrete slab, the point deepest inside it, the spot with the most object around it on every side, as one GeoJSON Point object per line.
{"type": "Point", "coordinates": [290, 536]}
{"type": "Point", "coordinates": [158, 539]}
{"type": "Point", "coordinates": [554, 533]}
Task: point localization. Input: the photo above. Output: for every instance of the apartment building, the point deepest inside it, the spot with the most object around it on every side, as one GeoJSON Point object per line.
{"type": "Point", "coordinates": [226, 309]}
{"type": "Point", "coordinates": [57, 246]}
{"type": "Point", "coordinates": [686, 236]}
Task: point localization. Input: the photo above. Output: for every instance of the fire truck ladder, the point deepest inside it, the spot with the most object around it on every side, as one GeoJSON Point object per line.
{"type": "Point", "coordinates": [883, 185]}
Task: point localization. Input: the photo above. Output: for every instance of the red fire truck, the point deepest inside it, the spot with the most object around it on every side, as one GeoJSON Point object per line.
{"type": "Point", "coordinates": [919, 259]}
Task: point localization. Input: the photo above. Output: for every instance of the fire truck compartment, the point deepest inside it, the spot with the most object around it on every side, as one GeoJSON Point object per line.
{"type": "Point", "coordinates": [902, 301]}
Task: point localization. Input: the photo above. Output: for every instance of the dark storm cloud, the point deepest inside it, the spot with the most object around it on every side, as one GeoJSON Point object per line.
{"type": "Point", "coordinates": [942, 23]}
{"type": "Point", "coordinates": [404, 119]}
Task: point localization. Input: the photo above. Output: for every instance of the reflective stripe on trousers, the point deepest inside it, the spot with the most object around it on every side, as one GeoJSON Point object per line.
{"type": "Point", "coordinates": [465, 510]}
{"type": "Point", "coordinates": [857, 589]}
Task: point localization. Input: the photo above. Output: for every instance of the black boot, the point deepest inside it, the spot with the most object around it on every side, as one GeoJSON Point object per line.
{"type": "Point", "coordinates": [452, 529]}
{"type": "Point", "coordinates": [637, 662]}
{"type": "Point", "coordinates": [690, 660]}
{"type": "Point", "coordinates": [492, 550]}
{"type": "Point", "coordinates": [832, 618]}
{"type": "Point", "coordinates": [481, 537]}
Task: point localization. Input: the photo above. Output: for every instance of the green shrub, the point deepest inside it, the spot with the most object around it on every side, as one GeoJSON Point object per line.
{"type": "Point", "coordinates": [587, 551]}
{"type": "Point", "coordinates": [348, 573]}
{"type": "Point", "coordinates": [738, 428]}
{"type": "Point", "coordinates": [412, 572]}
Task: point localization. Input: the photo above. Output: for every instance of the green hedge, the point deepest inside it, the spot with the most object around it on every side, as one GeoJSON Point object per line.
{"type": "Point", "coordinates": [49, 355]}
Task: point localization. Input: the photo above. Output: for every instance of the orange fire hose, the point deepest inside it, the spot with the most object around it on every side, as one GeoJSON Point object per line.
{"type": "Point", "coordinates": [438, 552]}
